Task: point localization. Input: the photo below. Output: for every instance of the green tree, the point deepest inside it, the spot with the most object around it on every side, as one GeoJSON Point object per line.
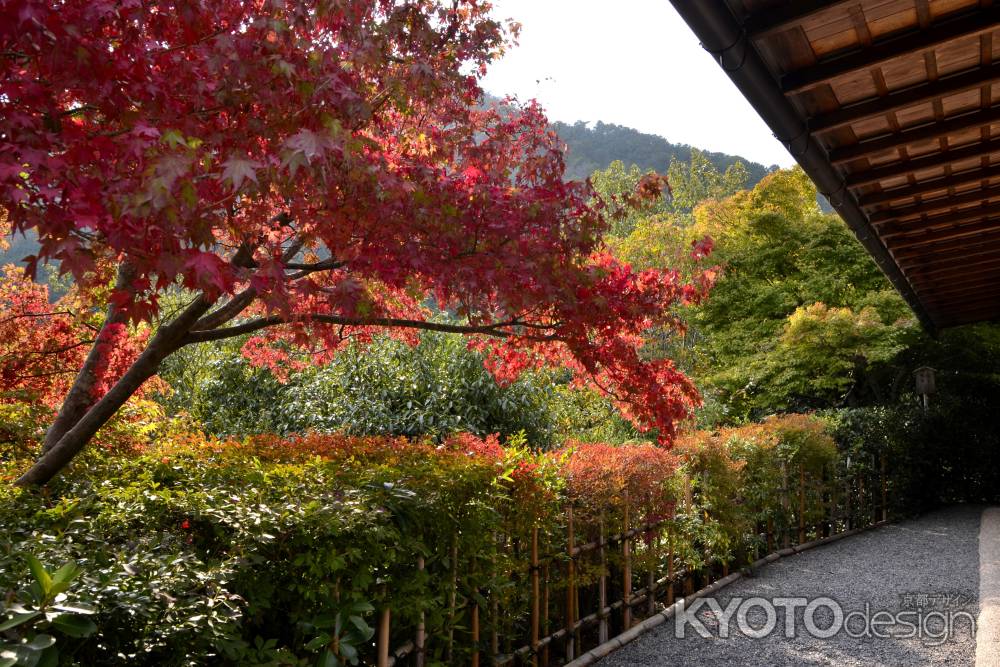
{"type": "Point", "coordinates": [700, 179]}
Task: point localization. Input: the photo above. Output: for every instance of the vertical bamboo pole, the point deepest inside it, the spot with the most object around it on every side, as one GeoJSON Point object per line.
{"type": "Point", "coordinates": [654, 552]}
{"type": "Point", "coordinates": [785, 504]}
{"type": "Point", "coordinates": [383, 634]}
{"type": "Point", "coordinates": [848, 508]}
{"type": "Point", "coordinates": [453, 598]}
{"type": "Point", "coordinates": [536, 617]}
{"type": "Point", "coordinates": [475, 634]}
{"type": "Point", "coordinates": [627, 567]}
{"type": "Point", "coordinates": [670, 567]}
{"type": "Point", "coordinates": [570, 585]}
{"type": "Point", "coordinates": [545, 614]}
{"type": "Point", "coordinates": [602, 585]}
{"type": "Point", "coordinates": [421, 639]}
{"type": "Point", "coordinates": [802, 504]}
{"type": "Point", "coordinates": [885, 504]}
{"type": "Point", "coordinates": [494, 610]}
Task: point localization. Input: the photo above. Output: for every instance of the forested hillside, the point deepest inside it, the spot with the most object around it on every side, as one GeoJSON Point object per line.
{"type": "Point", "coordinates": [595, 147]}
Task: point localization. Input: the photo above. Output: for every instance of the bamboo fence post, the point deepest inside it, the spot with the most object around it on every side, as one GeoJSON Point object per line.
{"type": "Point", "coordinates": [602, 585]}
{"type": "Point", "coordinates": [848, 509]}
{"type": "Point", "coordinates": [335, 644]}
{"type": "Point", "coordinates": [802, 504]}
{"type": "Point", "coordinates": [627, 567]}
{"type": "Point", "coordinates": [383, 634]}
{"type": "Point", "coordinates": [670, 567]}
{"type": "Point", "coordinates": [453, 598]}
{"type": "Point", "coordinates": [475, 634]}
{"type": "Point", "coordinates": [651, 579]}
{"type": "Point", "coordinates": [545, 614]}
{"type": "Point", "coordinates": [885, 504]}
{"type": "Point", "coordinates": [421, 639]}
{"type": "Point", "coordinates": [494, 612]}
{"type": "Point", "coordinates": [535, 597]}
{"type": "Point", "coordinates": [785, 504]}
{"type": "Point", "coordinates": [570, 585]}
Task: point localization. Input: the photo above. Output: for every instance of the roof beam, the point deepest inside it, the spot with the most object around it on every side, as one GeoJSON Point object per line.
{"type": "Point", "coordinates": [917, 41]}
{"type": "Point", "coordinates": [907, 97]}
{"type": "Point", "coordinates": [956, 258]}
{"type": "Point", "coordinates": [908, 136]}
{"type": "Point", "coordinates": [939, 204]}
{"type": "Point", "coordinates": [931, 286]}
{"type": "Point", "coordinates": [787, 15]}
{"type": "Point", "coordinates": [955, 248]}
{"type": "Point", "coordinates": [930, 161]}
{"type": "Point", "coordinates": [961, 268]}
{"type": "Point", "coordinates": [941, 297]}
{"type": "Point", "coordinates": [944, 223]}
{"type": "Point", "coordinates": [930, 185]}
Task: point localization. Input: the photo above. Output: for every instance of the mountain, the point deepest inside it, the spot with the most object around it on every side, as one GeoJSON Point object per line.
{"type": "Point", "coordinates": [595, 147]}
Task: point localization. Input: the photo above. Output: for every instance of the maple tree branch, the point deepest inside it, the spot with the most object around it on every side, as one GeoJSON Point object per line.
{"type": "Point", "coordinates": [497, 330]}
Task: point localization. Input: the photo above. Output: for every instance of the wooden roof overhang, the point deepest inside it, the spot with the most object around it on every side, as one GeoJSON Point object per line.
{"type": "Point", "coordinates": [893, 108]}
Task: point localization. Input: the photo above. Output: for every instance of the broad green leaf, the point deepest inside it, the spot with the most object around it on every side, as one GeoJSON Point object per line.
{"type": "Point", "coordinates": [19, 619]}
{"type": "Point", "coordinates": [41, 575]}
{"type": "Point", "coordinates": [74, 626]}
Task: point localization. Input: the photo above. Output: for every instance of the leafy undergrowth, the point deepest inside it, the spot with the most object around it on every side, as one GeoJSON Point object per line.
{"type": "Point", "coordinates": [280, 550]}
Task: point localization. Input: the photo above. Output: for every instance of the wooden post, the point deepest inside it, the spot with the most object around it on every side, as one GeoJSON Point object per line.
{"type": "Point", "coordinates": [383, 636]}
{"type": "Point", "coordinates": [885, 504]}
{"type": "Point", "coordinates": [536, 617]}
{"type": "Point", "coordinates": [453, 598]}
{"type": "Point", "coordinates": [627, 567]}
{"type": "Point", "coordinates": [802, 504]}
{"type": "Point", "coordinates": [570, 585]}
{"type": "Point", "coordinates": [770, 535]}
{"type": "Point", "coordinates": [602, 585]}
{"type": "Point", "coordinates": [420, 658]}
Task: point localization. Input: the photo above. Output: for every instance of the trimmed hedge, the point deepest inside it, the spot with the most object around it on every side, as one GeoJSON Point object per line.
{"type": "Point", "coordinates": [274, 550]}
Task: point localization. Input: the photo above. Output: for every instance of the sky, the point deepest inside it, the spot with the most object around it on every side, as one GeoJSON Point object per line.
{"type": "Point", "coordinates": [629, 62]}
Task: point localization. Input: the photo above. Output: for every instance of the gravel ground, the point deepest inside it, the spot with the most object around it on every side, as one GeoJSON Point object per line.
{"type": "Point", "coordinates": [936, 554]}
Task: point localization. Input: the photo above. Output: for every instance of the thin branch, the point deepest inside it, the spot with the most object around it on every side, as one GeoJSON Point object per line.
{"type": "Point", "coordinates": [497, 330]}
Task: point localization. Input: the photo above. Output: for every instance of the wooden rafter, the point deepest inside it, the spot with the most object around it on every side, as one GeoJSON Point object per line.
{"type": "Point", "coordinates": [884, 51]}
{"type": "Point", "coordinates": [922, 132]}
{"type": "Point", "coordinates": [939, 204]}
{"type": "Point", "coordinates": [931, 161]}
{"type": "Point", "coordinates": [910, 96]}
{"type": "Point", "coordinates": [787, 16]}
{"type": "Point", "coordinates": [930, 186]}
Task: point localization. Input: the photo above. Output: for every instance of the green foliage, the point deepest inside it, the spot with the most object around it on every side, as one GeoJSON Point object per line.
{"type": "Point", "coordinates": [699, 179]}
{"type": "Point", "coordinates": [617, 182]}
{"type": "Point", "coordinates": [800, 317]}
{"type": "Point", "coordinates": [385, 388]}
{"type": "Point", "coordinates": [41, 611]}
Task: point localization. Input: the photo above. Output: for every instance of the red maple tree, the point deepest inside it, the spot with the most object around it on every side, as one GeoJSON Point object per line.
{"type": "Point", "coordinates": [310, 171]}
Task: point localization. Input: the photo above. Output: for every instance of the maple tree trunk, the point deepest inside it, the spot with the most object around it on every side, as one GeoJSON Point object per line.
{"type": "Point", "coordinates": [80, 396]}
{"type": "Point", "coordinates": [76, 433]}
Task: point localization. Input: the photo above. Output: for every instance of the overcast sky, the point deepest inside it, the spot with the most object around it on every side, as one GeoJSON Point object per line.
{"type": "Point", "coordinates": [630, 62]}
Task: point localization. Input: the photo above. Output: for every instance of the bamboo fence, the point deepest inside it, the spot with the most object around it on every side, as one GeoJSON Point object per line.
{"type": "Point", "coordinates": [606, 602]}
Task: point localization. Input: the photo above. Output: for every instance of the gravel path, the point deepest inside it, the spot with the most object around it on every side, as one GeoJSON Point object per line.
{"type": "Point", "coordinates": [888, 568]}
